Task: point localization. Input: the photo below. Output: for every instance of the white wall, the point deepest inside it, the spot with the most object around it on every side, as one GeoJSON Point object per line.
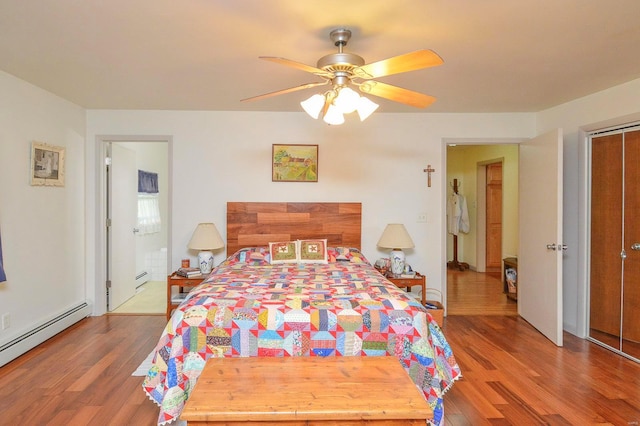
{"type": "Point", "coordinates": [379, 162]}
{"type": "Point", "coordinates": [614, 106]}
{"type": "Point", "coordinates": [43, 228]}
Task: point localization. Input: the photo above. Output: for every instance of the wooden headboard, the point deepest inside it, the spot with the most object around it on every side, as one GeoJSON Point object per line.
{"type": "Point", "coordinates": [257, 224]}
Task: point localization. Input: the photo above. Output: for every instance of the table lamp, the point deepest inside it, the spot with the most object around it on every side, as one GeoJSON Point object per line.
{"type": "Point", "coordinates": [396, 237]}
{"type": "Point", "coordinates": [205, 238]}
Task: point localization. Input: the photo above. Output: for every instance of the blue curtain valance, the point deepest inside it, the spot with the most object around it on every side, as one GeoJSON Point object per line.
{"type": "Point", "coordinates": [3, 277]}
{"type": "Point", "coordinates": [147, 182]}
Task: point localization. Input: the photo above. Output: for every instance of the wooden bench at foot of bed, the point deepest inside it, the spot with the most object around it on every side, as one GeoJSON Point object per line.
{"type": "Point", "coordinates": [344, 391]}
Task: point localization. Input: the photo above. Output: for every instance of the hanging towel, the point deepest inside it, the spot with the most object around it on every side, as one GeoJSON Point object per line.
{"type": "Point", "coordinates": [457, 214]}
{"type": "Point", "coordinates": [3, 277]}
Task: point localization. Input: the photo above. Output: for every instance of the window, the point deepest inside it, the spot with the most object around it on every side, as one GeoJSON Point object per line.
{"type": "Point", "coordinates": [148, 214]}
{"type": "Point", "coordinates": [148, 206]}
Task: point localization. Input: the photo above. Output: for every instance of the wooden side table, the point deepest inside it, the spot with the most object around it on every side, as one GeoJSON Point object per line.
{"type": "Point", "coordinates": [175, 280]}
{"type": "Point", "coordinates": [297, 391]}
{"type": "Point", "coordinates": [407, 283]}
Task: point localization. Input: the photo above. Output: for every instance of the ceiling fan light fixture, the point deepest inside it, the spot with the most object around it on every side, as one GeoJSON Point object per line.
{"type": "Point", "coordinates": [342, 70]}
{"type": "Point", "coordinates": [366, 107]}
{"type": "Point", "coordinates": [313, 105]}
{"type": "Point", "coordinates": [347, 100]}
{"type": "Point", "coordinates": [333, 116]}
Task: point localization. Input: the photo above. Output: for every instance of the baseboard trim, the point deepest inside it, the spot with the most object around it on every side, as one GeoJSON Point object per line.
{"type": "Point", "coordinates": [40, 333]}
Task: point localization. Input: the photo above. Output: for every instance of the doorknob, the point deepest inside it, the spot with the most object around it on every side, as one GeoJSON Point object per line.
{"type": "Point", "coordinates": [136, 230]}
{"type": "Point", "coordinates": [561, 247]}
{"type": "Point", "coordinates": [635, 246]}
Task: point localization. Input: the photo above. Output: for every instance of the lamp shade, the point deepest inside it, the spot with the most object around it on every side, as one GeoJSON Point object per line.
{"type": "Point", "coordinates": [347, 100]}
{"type": "Point", "coordinates": [313, 105]}
{"type": "Point", "coordinates": [395, 236]}
{"type": "Point", "coordinates": [206, 237]}
{"type": "Point", "coordinates": [334, 116]}
{"type": "Point", "coordinates": [366, 107]}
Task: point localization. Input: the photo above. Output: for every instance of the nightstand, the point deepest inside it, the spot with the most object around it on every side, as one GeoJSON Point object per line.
{"type": "Point", "coordinates": [407, 283]}
{"type": "Point", "coordinates": [174, 280]}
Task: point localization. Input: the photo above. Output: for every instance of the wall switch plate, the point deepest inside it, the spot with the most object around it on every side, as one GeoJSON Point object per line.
{"type": "Point", "coordinates": [6, 321]}
{"type": "Point", "coordinates": [422, 217]}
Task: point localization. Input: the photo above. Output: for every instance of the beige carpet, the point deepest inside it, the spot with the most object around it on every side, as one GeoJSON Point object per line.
{"type": "Point", "coordinates": [150, 298]}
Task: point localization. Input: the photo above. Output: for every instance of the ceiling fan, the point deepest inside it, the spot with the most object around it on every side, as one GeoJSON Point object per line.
{"type": "Point", "coordinates": [341, 70]}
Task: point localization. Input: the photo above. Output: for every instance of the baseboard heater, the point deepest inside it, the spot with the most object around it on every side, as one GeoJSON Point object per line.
{"type": "Point", "coordinates": [32, 338]}
{"type": "Point", "coordinates": [142, 278]}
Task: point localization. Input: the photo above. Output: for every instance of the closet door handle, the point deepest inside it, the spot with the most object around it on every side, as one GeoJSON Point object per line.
{"type": "Point", "coordinates": [635, 246]}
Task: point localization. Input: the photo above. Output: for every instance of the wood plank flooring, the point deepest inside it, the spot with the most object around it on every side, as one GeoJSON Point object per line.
{"type": "Point", "coordinates": [512, 375]}
{"type": "Point", "coordinates": [474, 293]}
{"type": "Point", "coordinates": [82, 376]}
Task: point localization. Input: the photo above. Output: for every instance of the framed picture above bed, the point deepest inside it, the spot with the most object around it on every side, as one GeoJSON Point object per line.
{"type": "Point", "coordinates": [47, 165]}
{"type": "Point", "coordinates": [294, 163]}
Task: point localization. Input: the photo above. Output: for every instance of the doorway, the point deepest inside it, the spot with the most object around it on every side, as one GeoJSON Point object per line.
{"type": "Point", "coordinates": [488, 174]}
{"type": "Point", "coordinates": [145, 249]}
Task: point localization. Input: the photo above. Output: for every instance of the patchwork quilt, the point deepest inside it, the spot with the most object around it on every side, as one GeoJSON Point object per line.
{"type": "Point", "coordinates": [248, 307]}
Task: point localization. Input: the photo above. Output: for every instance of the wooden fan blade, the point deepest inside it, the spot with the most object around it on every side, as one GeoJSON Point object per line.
{"type": "Point", "coordinates": [284, 91]}
{"type": "Point", "coordinates": [297, 65]}
{"type": "Point", "coordinates": [403, 63]}
{"type": "Point", "coordinates": [397, 94]}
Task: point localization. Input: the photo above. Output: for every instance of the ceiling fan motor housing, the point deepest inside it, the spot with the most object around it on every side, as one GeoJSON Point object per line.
{"type": "Point", "coordinates": [340, 64]}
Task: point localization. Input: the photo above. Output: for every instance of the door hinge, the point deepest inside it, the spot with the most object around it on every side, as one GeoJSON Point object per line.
{"type": "Point", "coordinates": [108, 283]}
{"type": "Point", "coordinates": [107, 161]}
{"type": "Point", "coordinates": [108, 223]}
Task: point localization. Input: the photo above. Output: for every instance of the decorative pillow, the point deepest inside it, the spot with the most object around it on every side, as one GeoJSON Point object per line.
{"type": "Point", "coordinates": [346, 254]}
{"type": "Point", "coordinates": [283, 252]}
{"type": "Point", "coordinates": [313, 251]}
{"type": "Point", "coordinates": [256, 256]}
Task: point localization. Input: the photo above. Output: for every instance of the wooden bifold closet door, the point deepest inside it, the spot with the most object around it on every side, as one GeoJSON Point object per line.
{"type": "Point", "coordinates": [615, 228]}
{"type": "Point", "coordinates": [631, 290]}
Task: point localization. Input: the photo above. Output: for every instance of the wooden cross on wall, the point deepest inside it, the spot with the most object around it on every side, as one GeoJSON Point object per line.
{"type": "Point", "coordinates": [428, 171]}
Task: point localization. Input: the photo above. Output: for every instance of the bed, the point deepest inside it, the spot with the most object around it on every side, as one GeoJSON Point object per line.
{"type": "Point", "coordinates": [327, 301]}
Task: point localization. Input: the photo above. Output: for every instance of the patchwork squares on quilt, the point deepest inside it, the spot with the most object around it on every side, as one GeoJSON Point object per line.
{"type": "Point", "coordinates": [334, 309]}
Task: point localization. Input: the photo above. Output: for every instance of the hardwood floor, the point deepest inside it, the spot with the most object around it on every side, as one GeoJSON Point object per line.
{"type": "Point", "coordinates": [82, 376]}
{"type": "Point", "coordinates": [474, 293]}
{"type": "Point", "coordinates": [512, 375]}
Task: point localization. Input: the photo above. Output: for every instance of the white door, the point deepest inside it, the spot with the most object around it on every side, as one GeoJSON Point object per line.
{"type": "Point", "coordinates": [540, 228]}
{"type": "Point", "coordinates": [123, 211]}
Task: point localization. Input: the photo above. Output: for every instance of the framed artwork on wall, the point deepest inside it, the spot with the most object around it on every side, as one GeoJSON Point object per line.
{"type": "Point", "coordinates": [47, 165]}
{"type": "Point", "coordinates": [294, 163]}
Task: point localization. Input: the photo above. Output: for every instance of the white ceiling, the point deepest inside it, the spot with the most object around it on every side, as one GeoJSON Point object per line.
{"type": "Point", "coordinates": [499, 55]}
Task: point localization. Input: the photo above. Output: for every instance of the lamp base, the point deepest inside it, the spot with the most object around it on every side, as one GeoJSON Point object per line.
{"type": "Point", "coordinates": [397, 261]}
{"type": "Point", "coordinates": [205, 261]}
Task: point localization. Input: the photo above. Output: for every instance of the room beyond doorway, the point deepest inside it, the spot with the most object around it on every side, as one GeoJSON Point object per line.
{"type": "Point", "coordinates": [467, 164]}
{"type": "Point", "coordinates": [103, 248]}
